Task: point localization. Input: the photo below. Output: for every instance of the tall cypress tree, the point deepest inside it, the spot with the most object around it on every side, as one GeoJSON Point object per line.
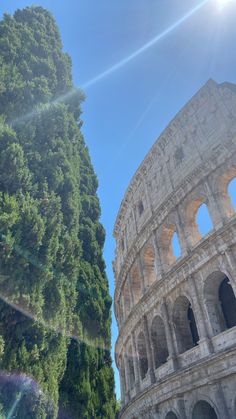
{"type": "Point", "coordinates": [54, 300]}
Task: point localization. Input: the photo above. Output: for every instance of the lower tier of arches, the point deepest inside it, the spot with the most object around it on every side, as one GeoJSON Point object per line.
{"type": "Point", "coordinates": [207, 390]}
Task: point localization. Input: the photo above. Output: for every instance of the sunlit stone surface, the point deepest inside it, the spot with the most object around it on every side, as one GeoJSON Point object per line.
{"type": "Point", "coordinates": [176, 310]}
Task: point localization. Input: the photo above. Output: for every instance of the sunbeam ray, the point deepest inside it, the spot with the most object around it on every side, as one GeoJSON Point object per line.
{"type": "Point", "coordinates": [145, 47]}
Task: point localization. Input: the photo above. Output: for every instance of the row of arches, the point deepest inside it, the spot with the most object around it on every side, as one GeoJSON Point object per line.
{"type": "Point", "coordinates": [220, 313]}
{"type": "Point", "coordinates": [201, 410]}
{"type": "Point", "coordinates": [144, 274]}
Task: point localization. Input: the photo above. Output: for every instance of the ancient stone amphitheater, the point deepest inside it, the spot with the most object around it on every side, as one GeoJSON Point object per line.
{"type": "Point", "coordinates": [176, 350]}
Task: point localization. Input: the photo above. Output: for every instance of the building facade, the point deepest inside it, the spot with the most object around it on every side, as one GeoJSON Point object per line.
{"type": "Point", "coordinates": [176, 309]}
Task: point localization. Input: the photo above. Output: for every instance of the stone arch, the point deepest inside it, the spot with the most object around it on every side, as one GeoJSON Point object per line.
{"type": "Point", "coordinates": [136, 284]}
{"type": "Point", "coordinates": [220, 302]}
{"type": "Point", "coordinates": [203, 410]}
{"type": "Point", "coordinates": [191, 216]}
{"type": "Point", "coordinates": [223, 191]}
{"type": "Point", "coordinates": [142, 355]}
{"type": "Point", "coordinates": [127, 298]}
{"type": "Point", "coordinates": [159, 343]}
{"type": "Point", "coordinates": [149, 264]}
{"type": "Point", "coordinates": [131, 373]}
{"type": "Point", "coordinates": [185, 325]}
{"type": "Point", "coordinates": [171, 415]}
{"type": "Point", "coordinates": [167, 235]}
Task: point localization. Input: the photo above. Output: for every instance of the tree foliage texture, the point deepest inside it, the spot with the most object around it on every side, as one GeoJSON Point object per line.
{"type": "Point", "coordinates": [54, 299]}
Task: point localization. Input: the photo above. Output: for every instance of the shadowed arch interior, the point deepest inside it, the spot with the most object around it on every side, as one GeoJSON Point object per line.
{"type": "Point", "coordinates": [220, 302]}
{"type": "Point", "coordinates": [131, 367]}
{"type": "Point", "coordinates": [136, 284]}
{"type": "Point", "coordinates": [149, 264]}
{"type": "Point", "coordinates": [185, 325]}
{"type": "Point", "coordinates": [142, 355]}
{"type": "Point", "coordinates": [171, 415]}
{"type": "Point", "coordinates": [203, 410]}
{"type": "Point", "coordinates": [159, 343]}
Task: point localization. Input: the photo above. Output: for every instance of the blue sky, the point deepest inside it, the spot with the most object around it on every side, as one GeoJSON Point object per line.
{"type": "Point", "coordinates": [125, 111]}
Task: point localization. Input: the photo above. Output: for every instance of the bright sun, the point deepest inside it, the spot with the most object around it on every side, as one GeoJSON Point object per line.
{"type": "Point", "coordinates": [224, 2]}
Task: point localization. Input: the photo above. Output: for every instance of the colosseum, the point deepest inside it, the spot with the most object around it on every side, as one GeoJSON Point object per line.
{"type": "Point", "coordinates": [176, 309]}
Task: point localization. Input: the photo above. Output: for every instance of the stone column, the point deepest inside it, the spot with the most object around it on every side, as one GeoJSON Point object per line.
{"type": "Point", "coordinates": [221, 198]}
{"type": "Point", "coordinates": [127, 393]}
{"type": "Point", "coordinates": [181, 408]}
{"type": "Point", "coordinates": [122, 385]}
{"type": "Point", "coordinates": [213, 207]}
{"type": "Point", "coordinates": [136, 364]}
{"type": "Point", "coordinates": [142, 274]}
{"type": "Point", "coordinates": [130, 291]}
{"type": "Point", "coordinates": [160, 255]}
{"type": "Point", "coordinates": [169, 337]}
{"type": "Point", "coordinates": [183, 238]}
{"type": "Point", "coordinates": [122, 308]}
{"type": "Point", "coordinates": [158, 264]}
{"type": "Point", "coordinates": [221, 402]}
{"type": "Point", "coordinates": [134, 217]}
{"type": "Point", "coordinates": [149, 350]}
{"type": "Point", "coordinates": [199, 316]}
{"type": "Point", "coordinates": [149, 199]}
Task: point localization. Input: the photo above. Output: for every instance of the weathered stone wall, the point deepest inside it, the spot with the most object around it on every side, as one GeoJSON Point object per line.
{"type": "Point", "coordinates": [175, 346]}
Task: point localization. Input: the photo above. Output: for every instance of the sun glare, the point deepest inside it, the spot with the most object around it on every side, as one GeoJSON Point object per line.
{"type": "Point", "coordinates": [222, 3]}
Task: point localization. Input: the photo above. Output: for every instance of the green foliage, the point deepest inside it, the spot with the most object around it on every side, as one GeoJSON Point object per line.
{"type": "Point", "coordinates": [52, 270]}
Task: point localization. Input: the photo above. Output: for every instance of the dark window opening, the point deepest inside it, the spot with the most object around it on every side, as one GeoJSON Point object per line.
{"type": "Point", "coordinates": [204, 410]}
{"type": "Point", "coordinates": [193, 326]}
{"type": "Point", "coordinates": [122, 244]}
{"type": "Point", "coordinates": [228, 303]}
{"type": "Point", "coordinates": [140, 207]}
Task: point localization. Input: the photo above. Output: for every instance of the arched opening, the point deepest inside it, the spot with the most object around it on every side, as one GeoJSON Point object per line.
{"type": "Point", "coordinates": [149, 264]}
{"type": "Point", "coordinates": [198, 221]}
{"type": "Point", "coordinates": [176, 245]}
{"type": "Point", "coordinates": [232, 192]}
{"type": "Point", "coordinates": [220, 302]}
{"type": "Point", "coordinates": [170, 244]}
{"type": "Point", "coordinates": [127, 299]}
{"type": "Point", "coordinates": [171, 415]}
{"type": "Point", "coordinates": [136, 284]}
{"type": "Point", "coordinates": [203, 410]}
{"type": "Point", "coordinates": [228, 303]}
{"type": "Point", "coordinates": [131, 368]}
{"type": "Point", "coordinates": [185, 325]}
{"type": "Point", "coordinates": [142, 355]}
{"type": "Point", "coordinates": [159, 343]}
{"type": "Point", "coordinates": [203, 219]}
